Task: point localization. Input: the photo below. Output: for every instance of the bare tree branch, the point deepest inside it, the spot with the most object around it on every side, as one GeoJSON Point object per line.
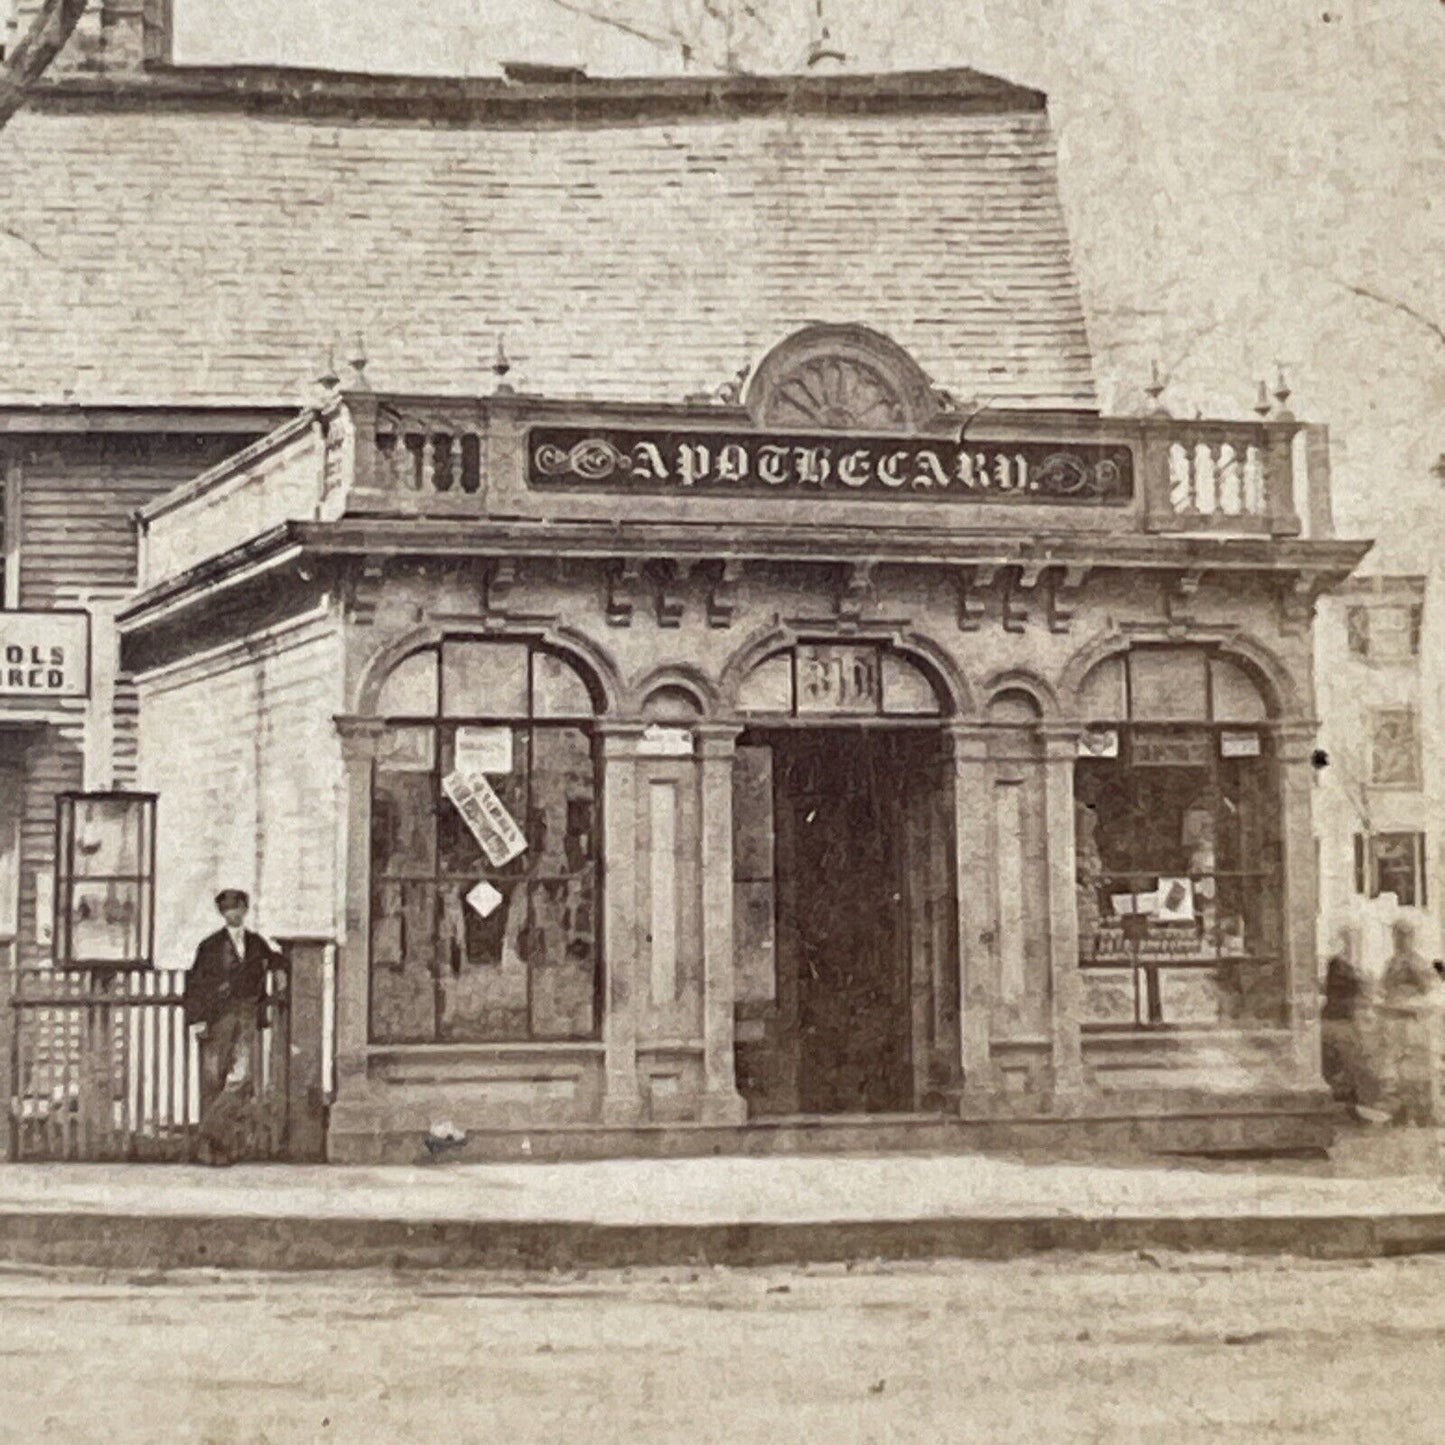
{"type": "Point", "coordinates": [1393, 303]}
{"type": "Point", "coordinates": [603, 17]}
{"type": "Point", "coordinates": [48, 35]}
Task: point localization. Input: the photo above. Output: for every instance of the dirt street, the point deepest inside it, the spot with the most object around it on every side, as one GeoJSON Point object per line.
{"type": "Point", "coordinates": [1096, 1349]}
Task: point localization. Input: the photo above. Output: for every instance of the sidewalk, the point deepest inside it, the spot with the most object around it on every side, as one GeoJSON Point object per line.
{"type": "Point", "coordinates": [1378, 1194]}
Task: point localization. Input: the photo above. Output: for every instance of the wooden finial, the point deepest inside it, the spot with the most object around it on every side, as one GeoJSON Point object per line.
{"type": "Point", "coordinates": [357, 361]}
{"type": "Point", "coordinates": [1282, 396]}
{"type": "Point", "coordinates": [1155, 390]}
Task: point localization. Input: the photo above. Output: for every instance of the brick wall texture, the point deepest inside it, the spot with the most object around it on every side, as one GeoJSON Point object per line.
{"type": "Point", "coordinates": [172, 255]}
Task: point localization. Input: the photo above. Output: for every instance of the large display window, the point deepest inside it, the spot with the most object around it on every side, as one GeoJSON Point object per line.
{"type": "Point", "coordinates": [484, 849]}
{"type": "Point", "coordinates": [1177, 834]}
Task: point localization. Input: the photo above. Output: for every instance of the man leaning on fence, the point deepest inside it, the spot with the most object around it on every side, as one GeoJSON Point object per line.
{"type": "Point", "coordinates": [226, 1001]}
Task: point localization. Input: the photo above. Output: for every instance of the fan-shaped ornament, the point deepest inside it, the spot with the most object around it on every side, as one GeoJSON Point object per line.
{"type": "Point", "coordinates": [838, 394]}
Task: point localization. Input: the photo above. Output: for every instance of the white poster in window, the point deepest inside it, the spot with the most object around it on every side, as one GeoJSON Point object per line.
{"type": "Point", "coordinates": [1239, 745]}
{"type": "Point", "coordinates": [665, 742]}
{"type": "Point", "coordinates": [1176, 901]}
{"type": "Point", "coordinates": [484, 752]}
{"type": "Point", "coordinates": [1129, 905]}
{"type": "Point", "coordinates": [1099, 743]}
{"type": "Point", "coordinates": [486, 815]}
{"type": "Point", "coordinates": [44, 908]}
{"type": "Point", "coordinates": [484, 900]}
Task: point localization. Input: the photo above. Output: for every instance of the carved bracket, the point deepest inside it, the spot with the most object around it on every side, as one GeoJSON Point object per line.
{"type": "Point", "coordinates": [855, 595]}
{"type": "Point", "coordinates": [1297, 598]}
{"type": "Point", "coordinates": [1066, 585]}
{"type": "Point", "coordinates": [624, 581]}
{"type": "Point", "coordinates": [722, 592]}
{"type": "Point", "coordinates": [363, 591]}
{"type": "Point", "coordinates": [970, 597]}
{"type": "Point", "coordinates": [1019, 584]}
{"type": "Point", "coordinates": [497, 589]}
{"type": "Point", "coordinates": [668, 578]}
{"type": "Point", "coordinates": [1179, 592]}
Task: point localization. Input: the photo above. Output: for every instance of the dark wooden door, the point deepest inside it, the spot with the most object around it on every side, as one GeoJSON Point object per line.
{"type": "Point", "coordinates": [842, 920]}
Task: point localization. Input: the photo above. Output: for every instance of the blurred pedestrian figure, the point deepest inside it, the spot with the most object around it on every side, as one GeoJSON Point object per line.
{"type": "Point", "coordinates": [226, 997]}
{"type": "Point", "coordinates": [1409, 1014]}
{"type": "Point", "coordinates": [1343, 1021]}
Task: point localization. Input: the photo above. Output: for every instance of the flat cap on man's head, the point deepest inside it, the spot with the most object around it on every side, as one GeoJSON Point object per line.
{"type": "Point", "coordinates": [232, 898]}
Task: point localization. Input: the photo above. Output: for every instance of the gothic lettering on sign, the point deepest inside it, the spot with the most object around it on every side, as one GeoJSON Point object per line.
{"type": "Point", "coordinates": [712, 463]}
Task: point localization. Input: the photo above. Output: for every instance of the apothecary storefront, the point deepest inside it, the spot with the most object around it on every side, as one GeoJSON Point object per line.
{"type": "Point", "coordinates": [818, 755]}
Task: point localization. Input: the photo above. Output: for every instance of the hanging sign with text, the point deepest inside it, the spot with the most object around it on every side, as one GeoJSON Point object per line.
{"type": "Point", "coordinates": [486, 815]}
{"type": "Point", "coordinates": [721, 463]}
{"type": "Point", "coordinates": [44, 654]}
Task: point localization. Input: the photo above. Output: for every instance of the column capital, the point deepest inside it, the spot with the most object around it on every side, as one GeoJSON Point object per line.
{"type": "Point", "coordinates": [968, 741]}
{"type": "Point", "coordinates": [360, 737]}
{"type": "Point", "coordinates": [717, 739]}
{"type": "Point", "coordinates": [619, 740]}
{"type": "Point", "coordinates": [1060, 740]}
{"type": "Point", "coordinates": [1295, 739]}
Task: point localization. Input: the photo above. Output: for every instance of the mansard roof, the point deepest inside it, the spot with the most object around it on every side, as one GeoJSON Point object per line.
{"type": "Point", "coordinates": [201, 237]}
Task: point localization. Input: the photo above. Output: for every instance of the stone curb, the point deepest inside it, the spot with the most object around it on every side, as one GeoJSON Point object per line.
{"type": "Point", "coordinates": [110, 1241]}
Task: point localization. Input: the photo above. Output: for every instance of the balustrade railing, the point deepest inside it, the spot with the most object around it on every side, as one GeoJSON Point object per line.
{"type": "Point", "coordinates": [414, 455]}
{"type": "Point", "coordinates": [1219, 477]}
{"type": "Point", "coordinates": [427, 455]}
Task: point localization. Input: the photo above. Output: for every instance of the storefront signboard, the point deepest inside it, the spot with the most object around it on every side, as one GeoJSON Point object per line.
{"type": "Point", "coordinates": [44, 654]}
{"type": "Point", "coordinates": [486, 815]}
{"type": "Point", "coordinates": [835, 466]}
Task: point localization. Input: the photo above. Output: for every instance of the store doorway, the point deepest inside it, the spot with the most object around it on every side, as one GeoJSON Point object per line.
{"type": "Point", "coordinates": [852, 886]}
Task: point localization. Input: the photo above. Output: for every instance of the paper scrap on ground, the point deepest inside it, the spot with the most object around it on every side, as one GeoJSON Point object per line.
{"type": "Point", "coordinates": [484, 899]}
{"type": "Point", "coordinates": [485, 814]}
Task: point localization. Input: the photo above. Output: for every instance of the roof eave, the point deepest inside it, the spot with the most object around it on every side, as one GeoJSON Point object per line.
{"type": "Point", "coordinates": [282, 90]}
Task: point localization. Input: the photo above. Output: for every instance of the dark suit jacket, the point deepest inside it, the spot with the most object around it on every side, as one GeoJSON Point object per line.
{"type": "Point", "coordinates": [218, 980]}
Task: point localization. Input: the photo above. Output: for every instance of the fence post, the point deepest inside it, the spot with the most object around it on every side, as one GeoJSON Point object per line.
{"type": "Point", "coordinates": [9, 1043]}
{"type": "Point", "coordinates": [305, 1075]}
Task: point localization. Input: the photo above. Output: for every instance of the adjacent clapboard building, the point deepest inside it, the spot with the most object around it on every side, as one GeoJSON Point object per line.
{"type": "Point", "coordinates": [699, 662]}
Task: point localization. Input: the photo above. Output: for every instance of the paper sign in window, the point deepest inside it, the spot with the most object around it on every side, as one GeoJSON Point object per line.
{"type": "Point", "coordinates": [486, 815]}
{"type": "Point", "coordinates": [483, 752]}
{"type": "Point", "coordinates": [484, 899]}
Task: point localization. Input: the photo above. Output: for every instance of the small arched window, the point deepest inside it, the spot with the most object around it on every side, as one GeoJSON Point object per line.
{"type": "Point", "coordinates": [484, 848]}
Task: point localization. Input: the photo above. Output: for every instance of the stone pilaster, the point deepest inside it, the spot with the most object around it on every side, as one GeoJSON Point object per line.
{"type": "Point", "coordinates": [976, 925]}
{"type": "Point", "coordinates": [359, 740]}
{"type": "Point", "coordinates": [1294, 741]}
{"type": "Point", "coordinates": [1061, 746]}
{"type": "Point", "coordinates": [622, 1099]}
{"type": "Point", "coordinates": [721, 1103]}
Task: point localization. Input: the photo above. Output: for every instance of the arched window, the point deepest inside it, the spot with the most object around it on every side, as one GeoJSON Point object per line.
{"type": "Point", "coordinates": [1177, 834]}
{"type": "Point", "coordinates": [819, 679]}
{"type": "Point", "coordinates": [484, 848]}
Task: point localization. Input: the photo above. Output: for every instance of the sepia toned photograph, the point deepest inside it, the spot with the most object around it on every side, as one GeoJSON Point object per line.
{"type": "Point", "coordinates": [718, 721]}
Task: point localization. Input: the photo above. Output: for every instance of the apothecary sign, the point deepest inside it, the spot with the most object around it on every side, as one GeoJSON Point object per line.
{"type": "Point", "coordinates": [44, 654]}
{"type": "Point", "coordinates": [718, 463]}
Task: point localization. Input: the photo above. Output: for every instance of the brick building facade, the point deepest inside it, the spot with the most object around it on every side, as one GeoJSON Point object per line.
{"type": "Point", "coordinates": [774, 691]}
